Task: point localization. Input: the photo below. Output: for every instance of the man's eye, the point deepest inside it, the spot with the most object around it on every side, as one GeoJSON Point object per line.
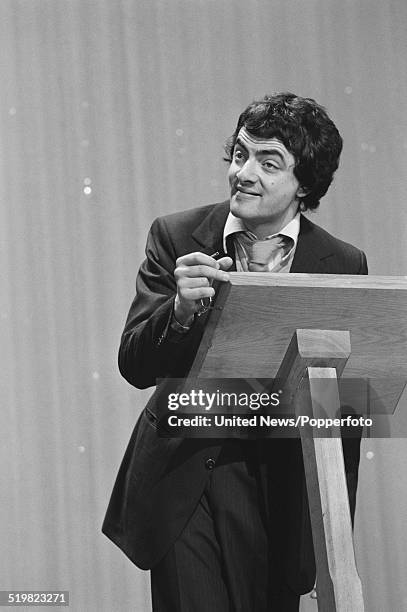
{"type": "Point", "coordinates": [270, 165]}
{"type": "Point", "coordinates": [238, 156]}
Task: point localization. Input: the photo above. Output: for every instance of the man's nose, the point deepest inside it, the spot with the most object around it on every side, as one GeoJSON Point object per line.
{"type": "Point", "coordinates": [247, 173]}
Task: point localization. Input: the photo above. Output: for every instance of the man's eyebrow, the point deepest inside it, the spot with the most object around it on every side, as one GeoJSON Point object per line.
{"type": "Point", "coordinates": [270, 151]}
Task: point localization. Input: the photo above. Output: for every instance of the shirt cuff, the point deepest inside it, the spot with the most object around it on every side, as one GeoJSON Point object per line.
{"type": "Point", "coordinates": [178, 327]}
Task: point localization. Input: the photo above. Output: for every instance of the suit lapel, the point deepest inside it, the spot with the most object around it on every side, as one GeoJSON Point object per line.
{"type": "Point", "coordinates": [312, 252]}
{"type": "Point", "coordinates": [209, 234]}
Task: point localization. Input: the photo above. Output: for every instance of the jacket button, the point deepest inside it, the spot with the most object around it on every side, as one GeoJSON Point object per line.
{"type": "Point", "coordinates": [210, 464]}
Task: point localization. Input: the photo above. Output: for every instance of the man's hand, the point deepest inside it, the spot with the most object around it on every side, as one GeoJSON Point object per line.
{"type": "Point", "coordinates": [194, 274]}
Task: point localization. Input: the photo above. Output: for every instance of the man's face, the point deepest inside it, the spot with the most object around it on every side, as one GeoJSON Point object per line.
{"type": "Point", "coordinates": [263, 189]}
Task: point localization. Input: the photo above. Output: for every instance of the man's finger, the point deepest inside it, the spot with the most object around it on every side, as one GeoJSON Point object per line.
{"type": "Point", "coordinates": [197, 258]}
{"type": "Point", "coordinates": [199, 281]}
{"type": "Point", "coordinates": [225, 263]}
{"type": "Point", "coordinates": [197, 293]}
{"type": "Point", "coordinates": [199, 271]}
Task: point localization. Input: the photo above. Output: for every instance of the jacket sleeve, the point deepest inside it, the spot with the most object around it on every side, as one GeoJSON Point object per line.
{"type": "Point", "coordinates": [149, 348]}
{"type": "Point", "coordinates": [363, 264]}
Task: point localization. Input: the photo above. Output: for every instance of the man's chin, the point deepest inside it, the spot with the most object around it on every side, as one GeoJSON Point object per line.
{"type": "Point", "coordinates": [240, 207]}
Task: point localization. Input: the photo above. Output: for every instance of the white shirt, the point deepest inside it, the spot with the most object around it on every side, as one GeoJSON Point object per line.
{"type": "Point", "coordinates": [292, 229]}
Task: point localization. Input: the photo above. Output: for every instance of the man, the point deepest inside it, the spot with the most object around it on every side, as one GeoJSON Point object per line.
{"type": "Point", "coordinates": [224, 525]}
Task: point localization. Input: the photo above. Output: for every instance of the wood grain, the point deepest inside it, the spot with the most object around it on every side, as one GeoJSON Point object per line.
{"type": "Point", "coordinates": [259, 313]}
{"type": "Point", "coordinates": [312, 347]}
{"type": "Point", "coordinates": [338, 583]}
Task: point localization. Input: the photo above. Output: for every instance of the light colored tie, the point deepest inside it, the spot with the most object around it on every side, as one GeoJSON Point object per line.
{"type": "Point", "coordinates": [263, 255]}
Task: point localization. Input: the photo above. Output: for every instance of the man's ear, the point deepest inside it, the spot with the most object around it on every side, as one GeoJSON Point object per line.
{"type": "Point", "coordinates": [302, 191]}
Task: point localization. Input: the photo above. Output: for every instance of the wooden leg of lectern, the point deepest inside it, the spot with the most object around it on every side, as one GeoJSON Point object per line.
{"type": "Point", "coordinates": [338, 583]}
{"type": "Point", "coordinates": [308, 372]}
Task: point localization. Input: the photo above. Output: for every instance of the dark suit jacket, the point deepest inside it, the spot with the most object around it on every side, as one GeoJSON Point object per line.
{"type": "Point", "coordinates": [161, 480]}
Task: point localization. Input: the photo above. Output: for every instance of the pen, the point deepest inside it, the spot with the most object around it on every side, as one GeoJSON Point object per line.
{"type": "Point", "coordinates": [206, 303]}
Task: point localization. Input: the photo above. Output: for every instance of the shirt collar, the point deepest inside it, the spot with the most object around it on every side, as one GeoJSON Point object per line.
{"type": "Point", "coordinates": [234, 224]}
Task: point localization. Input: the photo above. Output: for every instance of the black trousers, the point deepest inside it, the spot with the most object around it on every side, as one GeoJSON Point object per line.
{"type": "Point", "coordinates": [220, 563]}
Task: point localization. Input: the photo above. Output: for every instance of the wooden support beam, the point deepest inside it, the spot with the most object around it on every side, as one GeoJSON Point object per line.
{"type": "Point", "coordinates": [309, 371]}
{"type": "Point", "coordinates": [338, 584]}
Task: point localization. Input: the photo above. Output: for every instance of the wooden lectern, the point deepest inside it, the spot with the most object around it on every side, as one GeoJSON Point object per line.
{"type": "Point", "coordinates": [307, 330]}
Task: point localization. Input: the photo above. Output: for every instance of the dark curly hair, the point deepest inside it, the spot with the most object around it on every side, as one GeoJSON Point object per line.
{"type": "Point", "coordinates": [305, 129]}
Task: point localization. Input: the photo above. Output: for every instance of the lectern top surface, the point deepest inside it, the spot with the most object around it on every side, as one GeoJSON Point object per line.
{"type": "Point", "coordinates": [256, 314]}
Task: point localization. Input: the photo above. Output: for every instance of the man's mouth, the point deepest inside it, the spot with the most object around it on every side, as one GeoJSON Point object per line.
{"type": "Point", "coordinates": [246, 191]}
